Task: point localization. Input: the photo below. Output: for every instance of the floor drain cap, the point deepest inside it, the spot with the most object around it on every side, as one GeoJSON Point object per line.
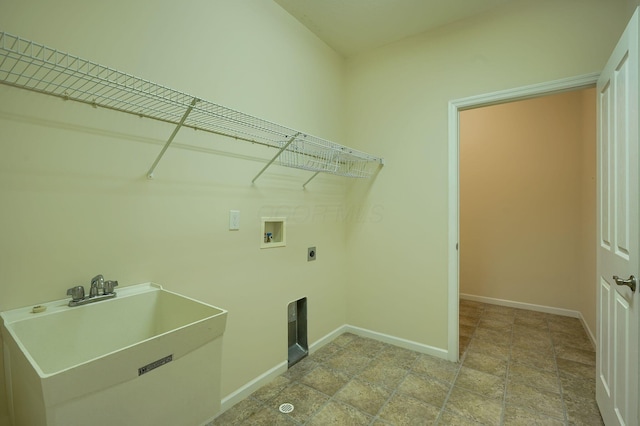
{"type": "Point", "coordinates": [286, 408]}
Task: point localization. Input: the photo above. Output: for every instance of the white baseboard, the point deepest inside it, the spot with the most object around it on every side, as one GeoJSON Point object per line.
{"type": "Point", "coordinates": [521, 305]}
{"type": "Point", "coordinates": [266, 377]}
{"type": "Point", "coordinates": [255, 384]}
{"type": "Point", "coordinates": [533, 307]}
{"type": "Point", "coordinates": [328, 338]}
{"type": "Point", "coordinates": [588, 330]}
{"type": "Point", "coordinates": [252, 386]}
{"type": "Point", "coordinates": [397, 341]}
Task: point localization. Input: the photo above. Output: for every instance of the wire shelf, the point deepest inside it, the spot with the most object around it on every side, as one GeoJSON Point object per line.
{"type": "Point", "coordinates": [32, 66]}
{"type": "Point", "coordinates": [309, 154]}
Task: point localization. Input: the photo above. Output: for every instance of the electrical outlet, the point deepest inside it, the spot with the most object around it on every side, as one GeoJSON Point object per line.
{"type": "Point", "coordinates": [311, 254]}
{"type": "Point", "coordinates": [234, 220]}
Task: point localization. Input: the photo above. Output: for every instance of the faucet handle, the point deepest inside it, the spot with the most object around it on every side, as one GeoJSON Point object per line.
{"type": "Point", "coordinates": [109, 285]}
{"type": "Point", "coordinates": [76, 293]}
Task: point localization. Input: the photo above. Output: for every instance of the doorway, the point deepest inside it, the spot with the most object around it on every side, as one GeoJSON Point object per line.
{"type": "Point", "coordinates": [527, 205]}
{"type": "Point", "coordinates": [455, 109]}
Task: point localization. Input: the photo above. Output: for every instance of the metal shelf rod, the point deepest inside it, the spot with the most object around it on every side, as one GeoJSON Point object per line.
{"type": "Point", "coordinates": [304, 185]}
{"type": "Point", "coordinates": [275, 157]}
{"type": "Point", "coordinates": [173, 135]}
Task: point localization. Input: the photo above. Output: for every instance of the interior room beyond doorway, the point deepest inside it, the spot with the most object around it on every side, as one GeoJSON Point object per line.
{"type": "Point", "coordinates": [527, 204]}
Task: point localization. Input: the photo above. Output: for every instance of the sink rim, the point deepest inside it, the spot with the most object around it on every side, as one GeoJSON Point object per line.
{"type": "Point", "coordinates": [62, 305]}
{"type": "Point", "coordinates": [13, 317]}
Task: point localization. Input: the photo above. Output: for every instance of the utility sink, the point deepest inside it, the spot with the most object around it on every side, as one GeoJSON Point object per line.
{"type": "Point", "coordinates": [148, 356]}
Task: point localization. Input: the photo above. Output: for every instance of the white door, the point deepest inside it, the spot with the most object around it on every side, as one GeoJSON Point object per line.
{"type": "Point", "coordinates": [617, 382]}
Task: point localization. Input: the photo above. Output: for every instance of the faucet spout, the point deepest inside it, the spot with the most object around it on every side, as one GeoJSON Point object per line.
{"type": "Point", "coordinates": [97, 286]}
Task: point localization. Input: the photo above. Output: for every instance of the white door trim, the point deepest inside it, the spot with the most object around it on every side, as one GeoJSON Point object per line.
{"type": "Point", "coordinates": [455, 106]}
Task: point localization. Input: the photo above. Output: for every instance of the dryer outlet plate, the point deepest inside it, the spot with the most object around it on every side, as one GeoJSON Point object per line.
{"type": "Point", "coordinates": [311, 254]}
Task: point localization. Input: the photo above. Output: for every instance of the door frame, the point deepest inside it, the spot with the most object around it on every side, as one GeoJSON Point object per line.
{"type": "Point", "coordinates": [455, 106]}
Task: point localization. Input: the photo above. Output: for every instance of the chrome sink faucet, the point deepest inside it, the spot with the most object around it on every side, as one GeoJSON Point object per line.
{"type": "Point", "coordinates": [99, 290]}
{"type": "Point", "coordinates": [97, 286]}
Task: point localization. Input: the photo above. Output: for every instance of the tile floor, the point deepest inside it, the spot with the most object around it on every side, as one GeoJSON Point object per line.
{"type": "Point", "coordinates": [517, 367]}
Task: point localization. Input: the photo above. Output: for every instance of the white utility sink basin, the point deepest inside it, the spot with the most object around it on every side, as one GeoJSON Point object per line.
{"type": "Point", "coordinates": [146, 357]}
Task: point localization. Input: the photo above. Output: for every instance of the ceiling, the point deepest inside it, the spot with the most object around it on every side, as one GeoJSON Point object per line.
{"type": "Point", "coordinates": [354, 26]}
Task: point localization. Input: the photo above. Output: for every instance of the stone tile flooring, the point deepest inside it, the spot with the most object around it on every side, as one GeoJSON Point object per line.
{"type": "Point", "coordinates": [517, 367]}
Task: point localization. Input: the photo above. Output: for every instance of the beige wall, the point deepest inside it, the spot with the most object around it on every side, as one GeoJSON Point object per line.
{"type": "Point", "coordinates": [527, 202]}
{"type": "Point", "coordinates": [75, 200]}
{"type": "Point", "coordinates": [397, 98]}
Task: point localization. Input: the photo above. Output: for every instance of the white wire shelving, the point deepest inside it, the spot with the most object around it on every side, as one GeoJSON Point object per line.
{"type": "Point", "coordinates": [35, 67]}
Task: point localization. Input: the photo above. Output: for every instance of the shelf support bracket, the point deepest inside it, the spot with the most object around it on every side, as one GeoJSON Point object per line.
{"type": "Point", "coordinates": [173, 135]}
{"type": "Point", "coordinates": [304, 185]}
{"type": "Point", "coordinates": [293, 138]}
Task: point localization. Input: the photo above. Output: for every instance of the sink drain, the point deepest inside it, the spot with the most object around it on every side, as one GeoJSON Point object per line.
{"type": "Point", "coordinates": [286, 408]}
